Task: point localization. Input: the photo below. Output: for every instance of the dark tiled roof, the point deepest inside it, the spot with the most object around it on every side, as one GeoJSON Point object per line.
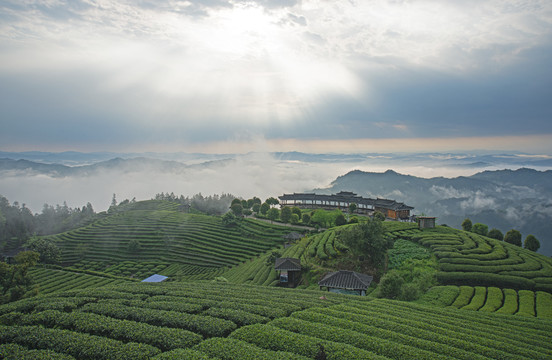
{"type": "Point", "coordinates": [287, 264]}
{"type": "Point", "coordinates": [347, 197]}
{"type": "Point", "coordinates": [344, 279]}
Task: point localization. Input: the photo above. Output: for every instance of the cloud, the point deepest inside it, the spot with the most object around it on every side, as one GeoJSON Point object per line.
{"type": "Point", "coordinates": [477, 202]}
{"type": "Point", "coordinates": [207, 70]}
{"type": "Point", "coordinates": [445, 192]}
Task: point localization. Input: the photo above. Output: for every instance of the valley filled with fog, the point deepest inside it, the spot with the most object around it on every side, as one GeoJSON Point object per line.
{"type": "Point", "coordinates": [78, 178]}
{"type": "Point", "coordinates": [434, 184]}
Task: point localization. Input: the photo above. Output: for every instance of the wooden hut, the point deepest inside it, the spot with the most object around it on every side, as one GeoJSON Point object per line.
{"type": "Point", "coordinates": [426, 222]}
{"type": "Point", "coordinates": [346, 282]}
{"type": "Point", "coordinates": [290, 271]}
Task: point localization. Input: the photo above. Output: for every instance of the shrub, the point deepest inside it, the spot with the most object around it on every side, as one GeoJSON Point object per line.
{"type": "Point", "coordinates": [17, 352]}
{"type": "Point", "coordinates": [478, 299]}
{"type": "Point", "coordinates": [390, 285]}
{"type": "Point", "coordinates": [409, 292]}
{"type": "Point", "coordinates": [273, 338]}
{"type": "Point", "coordinates": [526, 303]}
{"type": "Point", "coordinates": [81, 346]}
{"type": "Point", "coordinates": [510, 305]}
{"type": "Point", "coordinates": [494, 300]}
{"type": "Point", "coordinates": [464, 296]}
{"type": "Point", "coordinates": [544, 305]}
{"type": "Point", "coordinates": [182, 354]}
{"type": "Point", "coordinates": [234, 349]}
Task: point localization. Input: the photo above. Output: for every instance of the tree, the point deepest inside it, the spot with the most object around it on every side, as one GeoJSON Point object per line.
{"type": "Point", "coordinates": [296, 210]}
{"type": "Point", "coordinates": [340, 220]}
{"type": "Point", "coordinates": [272, 201]}
{"type": "Point", "coordinates": [378, 215]}
{"type": "Point", "coordinates": [513, 237]}
{"type": "Point", "coordinates": [229, 219]}
{"type": "Point", "coordinates": [235, 201]}
{"type": "Point", "coordinates": [285, 214]}
{"type": "Point", "coordinates": [253, 201]}
{"type": "Point", "coordinates": [15, 282]}
{"type": "Point", "coordinates": [352, 208]}
{"type": "Point", "coordinates": [496, 234]}
{"type": "Point", "coordinates": [264, 208]}
{"type": "Point", "coordinates": [273, 214]}
{"type": "Point", "coordinates": [480, 229]}
{"type": "Point", "coordinates": [320, 217]}
{"type": "Point", "coordinates": [237, 209]}
{"type": "Point", "coordinates": [531, 243]}
{"type": "Point", "coordinates": [353, 220]}
{"type": "Point", "coordinates": [305, 219]}
{"type": "Point", "coordinates": [467, 224]}
{"type": "Point", "coordinates": [256, 207]}
{"type": "Point", "coordinates": [294, 219]}
{"type": "Point", "coordinates": [49, 252]}
{"type": "Point", "coordinates": [390, 285]}
{"type": "Point", "coordinates": [366, 240]}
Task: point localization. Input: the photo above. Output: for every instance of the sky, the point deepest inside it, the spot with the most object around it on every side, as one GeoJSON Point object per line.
{"type": "Point", "coordinates": [219, 76]}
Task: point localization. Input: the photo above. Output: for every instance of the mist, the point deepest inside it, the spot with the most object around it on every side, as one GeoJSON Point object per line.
{"type": "Point", "coordinates": [255, 174]}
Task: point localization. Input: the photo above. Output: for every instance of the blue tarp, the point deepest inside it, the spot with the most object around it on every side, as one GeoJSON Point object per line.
{"type": "Point", "coordinates": [155, 278]}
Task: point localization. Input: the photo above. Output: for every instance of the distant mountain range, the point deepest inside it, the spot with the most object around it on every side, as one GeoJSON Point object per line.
{"type": "Point", "coordinates": [505, 199]}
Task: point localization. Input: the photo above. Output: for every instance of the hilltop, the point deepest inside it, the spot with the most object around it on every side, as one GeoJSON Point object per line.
{"type": "Point", "coordinates": [504, 199]}
{"type": "Point", "coordinates": [161, 235]}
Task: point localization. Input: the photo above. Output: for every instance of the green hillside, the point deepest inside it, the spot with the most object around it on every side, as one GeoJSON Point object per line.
{"type": "Point", "coordinates": [467, 258]}
{"type": "Point", "coordinates": [212, 320]}
{"type": "Point", "coordinates": [169, 241]}
{"type": "Point", "coordinates": [463, 258]}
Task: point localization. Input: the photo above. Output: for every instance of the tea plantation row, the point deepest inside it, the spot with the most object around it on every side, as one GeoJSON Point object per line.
{"type": "Point", "coordinates": [203, 320]}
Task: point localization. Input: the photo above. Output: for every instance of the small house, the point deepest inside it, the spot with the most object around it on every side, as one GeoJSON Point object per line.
{"type": "Point", "coordinates": [290, 271]}
{"type": "Point", "coordinates": [426, 222]}
{"type": "Point", "coordinates": [346, 282]}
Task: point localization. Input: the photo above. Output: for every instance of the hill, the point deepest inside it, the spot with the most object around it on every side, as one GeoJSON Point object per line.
{"type": "Point", "coordinates": [208, 320]}
{"type": "Point", "coordinates": [505, 199]}
{"type": "Point", "coordinates": [463, 258]}
{"type": "Point", "coordinates": [155, 236]}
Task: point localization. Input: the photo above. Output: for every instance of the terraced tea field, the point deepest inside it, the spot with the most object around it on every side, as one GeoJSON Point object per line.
{"type": "Point", "coordinates": [493, 299]}
{"type": "Point", "coordinates": [469, 259]}
{"type": "Point", "coordinates": [211, 320]}
{"type": "Point", "coordinates": [192, 244]}
{"type": "Point", "coordinates": [53, 280]}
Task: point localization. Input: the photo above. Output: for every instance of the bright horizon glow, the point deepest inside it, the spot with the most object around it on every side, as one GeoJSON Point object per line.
{"type": "Point", "coordinates": [539, 146]}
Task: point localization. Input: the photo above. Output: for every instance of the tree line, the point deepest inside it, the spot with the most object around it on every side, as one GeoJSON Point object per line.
{"type": "Point", "coordinates": [513, 236]}
{"type": "Point", "coordinates": [18, 224]}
